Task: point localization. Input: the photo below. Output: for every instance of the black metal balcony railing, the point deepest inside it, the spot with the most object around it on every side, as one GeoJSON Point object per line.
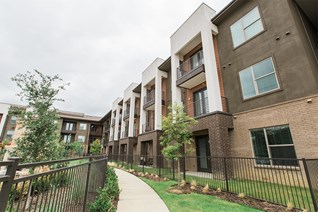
{"type": "Point", "coordinates": [124, 134]}
{"type": "Point", "coordinates": [149, 97]}
{"type": "Point", "coordinates": [190, 64]}
{"type": "Point", "coordinates": [146, 127]}
{"type": "Point", "coordinates": [126, 113]}
{"type": "Point", "coordinates": [201, 107]}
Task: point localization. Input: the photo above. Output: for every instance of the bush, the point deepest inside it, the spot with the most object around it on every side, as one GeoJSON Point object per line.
{"type": "Point", "coordinates": [107, 195]}
{"type": "Point", "coordinates": [95, 147]}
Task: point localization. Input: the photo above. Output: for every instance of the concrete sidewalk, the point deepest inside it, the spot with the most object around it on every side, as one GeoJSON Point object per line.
{"type": "Point", "coordinates": [136, 195]}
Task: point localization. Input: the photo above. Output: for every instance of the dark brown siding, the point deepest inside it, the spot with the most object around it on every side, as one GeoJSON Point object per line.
{"type": "Point", "coordinates": [294, 61]}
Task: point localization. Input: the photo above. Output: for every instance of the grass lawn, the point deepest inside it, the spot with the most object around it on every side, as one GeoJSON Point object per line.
{"type": "Point", "coordinates": [273, 192]}
{"type": "Point", "coordinates": [194, 202]}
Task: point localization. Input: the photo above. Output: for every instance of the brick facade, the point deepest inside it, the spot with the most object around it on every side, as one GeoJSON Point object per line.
{"type": "Point", "coordinates": [300, 115]}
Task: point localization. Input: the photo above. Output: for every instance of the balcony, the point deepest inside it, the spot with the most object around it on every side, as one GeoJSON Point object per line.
{"type": "Point", "coordinates": [147, 128]}
{"type": "Point", "coordinates": [120, 119]}
{"type": "Point", "coordinates": [201, 107]}
{"type": "Point", "coordinates": [113, 121]}
{"type": "Point", "coordinates": [124, 134]}
{"type": "Point", "coordinates": [137, 112]}
{"type": "Point", "coordinates": [126, 113]}
{"type": "Point", "coordinates": [191, 72]}
{"type": "Point", "coordinates": [149, 100]}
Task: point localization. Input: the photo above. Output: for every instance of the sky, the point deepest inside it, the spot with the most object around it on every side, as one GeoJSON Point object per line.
{"type": "Point", "coordinates": [99, 46]}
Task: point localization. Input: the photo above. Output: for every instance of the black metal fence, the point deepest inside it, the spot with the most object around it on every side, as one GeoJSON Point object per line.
{"type": "Point", "coordinates": [292, 182]}
{"type": "Point", "coordinates": [60, 185]}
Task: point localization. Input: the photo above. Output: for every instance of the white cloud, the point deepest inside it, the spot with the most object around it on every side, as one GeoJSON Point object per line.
{"type": "Point", "coordinates": [91, 44]}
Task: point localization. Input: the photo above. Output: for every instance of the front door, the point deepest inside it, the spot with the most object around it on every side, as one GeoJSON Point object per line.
{"type": "Point", "coordinates": [203, 153]}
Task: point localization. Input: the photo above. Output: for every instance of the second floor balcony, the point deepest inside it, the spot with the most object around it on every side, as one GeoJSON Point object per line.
{"type": "Point", "coordinates": [126, 113]}
{"type": "Point", "coordinates": [113, 121]}
{"type": "Point", "coordinates": [191, 72]}
{"type": "Point", "coordinates": [149, 99]}
{"type": "Point", "coordinates": [201, 107]}
{"type": "Point", "coordinates": [147, 127]}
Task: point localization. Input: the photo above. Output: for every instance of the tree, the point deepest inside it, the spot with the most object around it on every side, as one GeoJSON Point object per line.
{"type": "Point", "coordinates": [95, 147]}
{"type": "Point", "coordinates": [40, 139]}
{"type": "Point", "coordinates": [176, 134]}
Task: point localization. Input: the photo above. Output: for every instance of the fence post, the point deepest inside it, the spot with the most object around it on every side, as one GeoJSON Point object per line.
{"type": "Point", "coordinates": [184, 168]}
{"type": "Point", "coordinates": [225, 174]}
{"type": "Point", "coordinates": [104, 168]}
{"type": "Point", "coordinates": [310, 185]}
{"type": "Point", "coordinates": [173, 177]}
{"type": "Point", "coordinates": [6, 186]}
{"type": "Point", "coordinates": [160, 163]}
{"type": "Point", "coordinates": [87, 181]}
{"type": "Point", "coordinates": [143, 166]}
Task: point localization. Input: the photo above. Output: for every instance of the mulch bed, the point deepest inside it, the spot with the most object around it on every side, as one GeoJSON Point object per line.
{"type": "Point", "coordinates": [231, 197]}
{"type": "Point", "coordinates": [254, 203]}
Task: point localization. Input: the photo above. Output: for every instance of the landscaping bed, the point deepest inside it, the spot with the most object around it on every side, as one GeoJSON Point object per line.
{"type": "Point", "coordinates": [231, 197]}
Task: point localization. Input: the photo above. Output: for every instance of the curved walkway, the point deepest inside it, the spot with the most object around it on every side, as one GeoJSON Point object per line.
{"type": "Point", "coordinates": [136, 195]}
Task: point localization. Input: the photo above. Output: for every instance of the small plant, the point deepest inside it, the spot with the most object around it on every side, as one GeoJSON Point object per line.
{"type": "Point", "coordinates": [108, 195]}
{"type": "Point", "coordinates": [219, 190]}
{"type": "Point", "coordinates": [290, 206]}
{"type": "Point", "coordinates": [205, 189]}
{"type": "Point", "coordinates": [183, 183]}
{"type": "Point", "coordinates": [241, 195]}
{"type": "Point", "coordinates": [193, 184]}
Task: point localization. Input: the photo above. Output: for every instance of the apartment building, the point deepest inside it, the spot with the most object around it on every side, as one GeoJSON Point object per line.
{"type": "Point", "coordinates": [115, 128]}
{"type": "Point", "coordinates": [4, 118]}
{"type": "Point", "coordinates": [248, 75]}
{"type": "Point", "coordinates": [153, 106]}
{"type": "Point", "coordinates": [130, 120]}
{"type": "Point", "coordinates": [268, 52]}
{"type": "Point", "coordinates": [106, 120]}
{"type": "Point", "coordinates": [79, 127]}
{"type": "Point", "coordinates": [196, 82]}
{"type": "Point", "coordinates": [72, 126]}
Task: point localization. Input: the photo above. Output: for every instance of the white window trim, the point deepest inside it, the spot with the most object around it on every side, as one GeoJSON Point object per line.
{"type": "Point", "coordinates": [268, 150]}
{"type": "Point", "coordinates": [257, 93]}
{"type": "Point", "coordinates": [242, 26]}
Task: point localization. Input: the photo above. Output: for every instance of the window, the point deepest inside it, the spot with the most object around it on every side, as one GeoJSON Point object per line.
{"type": "Point", "coordinates": [247, 27]}
{"type": "Point", "coordinates": [196, 60]}
{"type": "Point", "coordinates": [13, 120]}
{"type": "Point", "coordinates": [273, 142]}
{"type": "Point", "coordinates": [81, 138]}
{"type": "Point", "coordinates": [83, 126]}
{"type": "Point", "coordinates": [10, 134]}
{"type": "Point", "coordinates": [259, 78]}
{"type": "Point", "coordinates": [69, 126]}
{"type": "Point", "coordinates": [200, 102]}
{"type": "Point", "coordinates": [67, 138]}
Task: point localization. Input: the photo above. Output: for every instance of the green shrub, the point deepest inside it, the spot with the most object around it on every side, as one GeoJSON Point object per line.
{"type": "Point", "coordinates": [95, 147]}
{"type": "Point", "coordinates": [107, 195]}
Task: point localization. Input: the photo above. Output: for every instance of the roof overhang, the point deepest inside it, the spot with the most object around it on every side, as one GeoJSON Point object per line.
{"type": "Point", "coordinates": [310, 9]}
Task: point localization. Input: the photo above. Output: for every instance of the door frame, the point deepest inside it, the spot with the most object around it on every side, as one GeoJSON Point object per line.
{"type": "Point", "coordinates": [208, 154]}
